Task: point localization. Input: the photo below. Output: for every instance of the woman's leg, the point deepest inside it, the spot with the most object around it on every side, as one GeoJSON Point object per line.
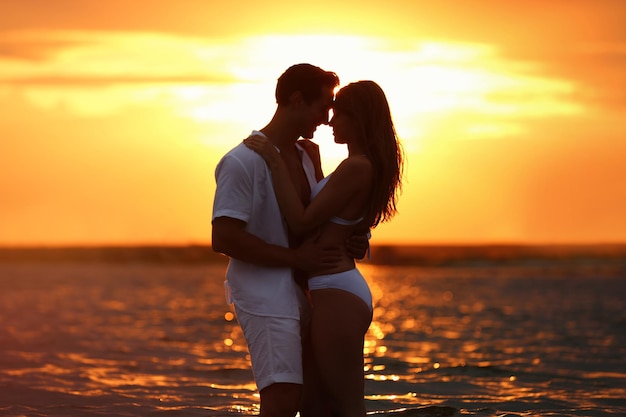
{"type": "Point", "coordinates": [314, 400]}
{"type": "Point", "coordinates": [340, 321]}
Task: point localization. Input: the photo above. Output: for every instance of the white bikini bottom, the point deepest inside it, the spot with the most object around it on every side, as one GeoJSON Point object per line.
{"type": "Point", "coordinates": [351, 281]}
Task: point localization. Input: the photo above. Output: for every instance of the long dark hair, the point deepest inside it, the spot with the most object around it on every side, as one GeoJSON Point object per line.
{"type": "Point", "coordinates": [366, 103]}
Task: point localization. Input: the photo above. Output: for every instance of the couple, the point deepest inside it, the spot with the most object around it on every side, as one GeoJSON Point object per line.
{"type": "Point", "coordinates": [290, 233]}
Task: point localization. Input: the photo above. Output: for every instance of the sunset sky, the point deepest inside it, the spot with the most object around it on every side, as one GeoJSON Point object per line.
{"type": "Point", "coordinates": [114, 113]}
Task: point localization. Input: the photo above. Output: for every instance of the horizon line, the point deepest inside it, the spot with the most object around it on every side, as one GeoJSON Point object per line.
{"type": "Point", "coordinates": [373, 244]}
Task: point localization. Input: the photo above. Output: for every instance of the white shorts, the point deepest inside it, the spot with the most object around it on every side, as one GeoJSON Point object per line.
{"type": "Point", "coordinates": [275, 347]}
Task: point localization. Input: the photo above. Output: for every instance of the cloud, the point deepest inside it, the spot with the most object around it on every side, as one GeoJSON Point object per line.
{"type": "Point", "coordinates": [601, 66]}
{"type": "Point", "coordinates": [103, 81]}
{"type": "Point", "coordinates": [101, 58]}
{"type": "Point", "coordinates": [21, 48]}
{"type": "Point", "coordinates": [596, 68]}
{"type": "Point", "coordinates": [94, 73]}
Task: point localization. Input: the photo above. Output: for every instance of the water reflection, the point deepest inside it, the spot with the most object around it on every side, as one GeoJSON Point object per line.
{"type": "Point", "coordinates": [490, 334]}
{"type": "Point", "coordinates": [137, 339]}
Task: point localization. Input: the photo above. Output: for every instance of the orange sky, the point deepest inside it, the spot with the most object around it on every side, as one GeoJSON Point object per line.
{"type": "Point", "coordinates": [115, 113]}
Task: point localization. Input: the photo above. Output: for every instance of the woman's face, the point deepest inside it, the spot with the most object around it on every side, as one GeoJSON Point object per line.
{"type": "Point", "coordinates": [316, 113]}
{"type": "Point", "coordinates": [344, 127]}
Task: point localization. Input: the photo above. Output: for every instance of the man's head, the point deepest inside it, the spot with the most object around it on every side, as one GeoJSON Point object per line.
{"type": "Point", "coordinates": [308, 91]}
{"type": "Point", "coordinates": [306, 78]}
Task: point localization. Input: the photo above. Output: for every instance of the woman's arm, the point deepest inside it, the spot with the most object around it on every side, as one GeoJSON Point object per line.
{"type": "Point", "coordinates": [349, 177]}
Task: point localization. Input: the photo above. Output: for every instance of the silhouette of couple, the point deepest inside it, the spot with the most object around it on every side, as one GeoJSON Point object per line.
{"type": "Point", "coordinates": [292, 236]}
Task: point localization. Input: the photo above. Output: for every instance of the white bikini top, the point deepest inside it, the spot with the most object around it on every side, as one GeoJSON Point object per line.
{"type": "Point", "coordinates": [315, 189]}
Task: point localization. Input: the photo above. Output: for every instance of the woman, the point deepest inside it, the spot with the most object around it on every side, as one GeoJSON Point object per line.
{"type": "Point", "coordinates": [362, 192]}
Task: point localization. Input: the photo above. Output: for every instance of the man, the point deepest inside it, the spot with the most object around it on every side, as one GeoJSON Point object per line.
{"type": "Point", "coordinates": [248, 227]}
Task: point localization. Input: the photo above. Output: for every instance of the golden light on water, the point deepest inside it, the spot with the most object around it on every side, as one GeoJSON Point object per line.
{"type": "Point", "coordinates": [166, 349]}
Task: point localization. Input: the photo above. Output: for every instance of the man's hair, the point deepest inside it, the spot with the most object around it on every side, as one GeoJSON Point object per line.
{"type": "Point", "coordinates": [306, 78]}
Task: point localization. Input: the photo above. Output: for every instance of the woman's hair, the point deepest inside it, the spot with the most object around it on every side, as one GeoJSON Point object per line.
{"type": "Point", "coordinates": [306, 78]}
{"type": "Point", "coordinates": [366, 103]}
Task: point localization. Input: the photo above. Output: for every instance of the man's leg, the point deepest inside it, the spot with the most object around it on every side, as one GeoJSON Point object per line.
{"type": "Point", "coordinates": [280, 400]}
{"type": "Point", "coordinates": [275, 348]}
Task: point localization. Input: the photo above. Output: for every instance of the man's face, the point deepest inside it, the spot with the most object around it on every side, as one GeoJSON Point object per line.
{"type": "Point", "coordinates": [316, 113]}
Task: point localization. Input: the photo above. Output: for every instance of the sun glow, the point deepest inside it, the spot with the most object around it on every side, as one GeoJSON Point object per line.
{"type": "Point", "coordinates": [428, 84]}
{"type": "Point", "coordinates": [232, 81]}
{"type": "Point", "coordinates": [169, 106]}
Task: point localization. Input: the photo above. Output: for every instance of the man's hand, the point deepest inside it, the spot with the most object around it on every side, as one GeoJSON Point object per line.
{"type": "Point", "coordinates": [311, 256]}
{"type": "Point", "coordinates": [357, 245]}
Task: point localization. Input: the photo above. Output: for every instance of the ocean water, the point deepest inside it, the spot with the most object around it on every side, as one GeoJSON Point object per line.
{"type": "Point", "coordinates": [132, 339]}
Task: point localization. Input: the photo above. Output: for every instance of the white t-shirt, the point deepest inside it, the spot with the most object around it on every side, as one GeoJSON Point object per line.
{"type": "Point", "coordinates": [245, 192]}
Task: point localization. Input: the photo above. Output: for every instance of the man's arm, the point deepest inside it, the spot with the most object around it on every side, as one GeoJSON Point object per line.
{"type": "Point", "coordinates": [230, 238]}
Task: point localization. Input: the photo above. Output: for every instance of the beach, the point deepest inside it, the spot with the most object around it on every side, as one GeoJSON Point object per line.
{"type": "Point", "coordinates": [136, 337]}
